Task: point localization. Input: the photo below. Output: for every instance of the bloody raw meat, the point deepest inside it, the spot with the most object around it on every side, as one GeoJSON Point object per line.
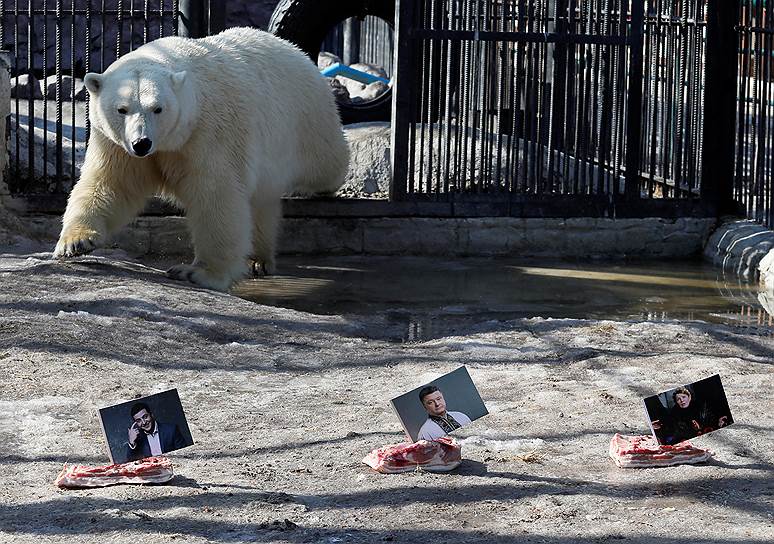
{"type": "Point", "coordinates": [644, 451]}
{"type": "Point", "coordinates": [151, 470]}
{"type": "Point", "coordinates": [440, 455]}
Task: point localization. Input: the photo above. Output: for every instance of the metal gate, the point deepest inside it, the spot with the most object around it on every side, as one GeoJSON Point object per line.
{"type": "Point", "coordinates": [546, 108]}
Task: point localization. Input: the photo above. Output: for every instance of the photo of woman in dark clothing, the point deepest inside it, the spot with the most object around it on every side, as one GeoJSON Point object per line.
{"type": "Point", "coordinates": [690, 414]}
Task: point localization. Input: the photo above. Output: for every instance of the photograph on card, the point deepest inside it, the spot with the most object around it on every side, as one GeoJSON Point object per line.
{"type": "Point", "coordinates": [440, 407]}
{"type": "Point", "coordinates": [145, 427]}
{"type": "Point", "coordinates": [688, 411]}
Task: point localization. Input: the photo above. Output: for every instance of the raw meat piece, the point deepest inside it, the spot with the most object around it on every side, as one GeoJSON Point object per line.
{"type": "Point", "coordinates": [151, 470]}
{"type": "Point", "coordinates": [643, 451]}
{"type": "Point", "coordinates": [440, 455]}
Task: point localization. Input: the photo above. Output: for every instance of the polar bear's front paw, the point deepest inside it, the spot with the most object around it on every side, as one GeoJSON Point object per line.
{"type": "Point", "coordinates": [76, 241]}
{"type": "Point", "coordinates": [199, 276]}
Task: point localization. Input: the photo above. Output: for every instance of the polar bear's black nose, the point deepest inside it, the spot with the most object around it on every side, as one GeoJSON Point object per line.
{"type": "Point", "coordinates": [142, 146]}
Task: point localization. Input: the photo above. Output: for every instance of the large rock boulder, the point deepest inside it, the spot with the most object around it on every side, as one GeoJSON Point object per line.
{"type": "Point", "coordinates": [49, 88]}
{"type": "Point", "coordinates": [25, 85]}
{"type": "Point", "coordinates": [370, 171]}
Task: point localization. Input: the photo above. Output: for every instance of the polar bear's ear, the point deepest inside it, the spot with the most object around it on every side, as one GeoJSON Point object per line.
{"type": "Point", "coordinates": [178, 78]}
{"type": "Point", "coordinates": [93, 83]}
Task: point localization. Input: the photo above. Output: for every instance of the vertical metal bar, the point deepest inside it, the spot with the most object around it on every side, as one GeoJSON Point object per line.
{"type": "Point", "coordinates": [744, 44]}
{"type": "Point", "coordinates": [634, 117]}
{"type": "Point", "coordinates": [656, 117]}
{"type": "Point", "coordinates": [500, 48]}
{"type": "Point", "coordinates": [176, 15]}
{"type": "Point", "coordinates": [45, 79]}
{"type": "Point", "coordinates": [423, 82]}
{"type": "Point", "coordinates": [119, 27]}
{"type": "Point", "coordinates": [191, 19]}
{"type": "Point", "coordinates": [681, 32]}
{"type": "Point", "coordinates": [351, 41]}
{"type": "Point", "coordinates": [766, 167]}
{"type": "Point", "coordinates": [450, 47]}
{"type": "Point", "coordinates": [87, 66]}
{"type": "Point", "coordinates": [72, 93]}
{"type": "Point", "coordinates": [16, 73]}
{"type": "Point", "coordinates": [719, 105]}
{"type": "Point", "coordinates": [558, 91]}
{"type": "Point", "coordinates": [30, 94]}
{"type": "Point", "coordinates": [103, 26]}
{"type": "Point", "coordinates": [146, 22]}
{"type": "Point", "coordinates": [59, 161]}
{"type": "Point", "coordinates": [217, 21]}
{"type": "Point", "coordinates": [401, 97]}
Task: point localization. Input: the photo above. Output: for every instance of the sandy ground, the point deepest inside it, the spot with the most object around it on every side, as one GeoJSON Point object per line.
{"type": "Point", "coordinates": [283, 405]}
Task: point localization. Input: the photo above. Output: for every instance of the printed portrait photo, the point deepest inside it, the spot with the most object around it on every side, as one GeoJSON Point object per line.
{"type": "Point", "coordinates": [440, 407]}
{"type": "Point", "coordinates": [688, 411]}
{"type": "Point", "coordinates": [145, 427]}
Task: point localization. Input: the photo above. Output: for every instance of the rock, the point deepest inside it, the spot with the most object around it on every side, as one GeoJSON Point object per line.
{"type": "Point", "coordinates": [360, 92]}
{"type": "Point", "coordinates": [20, 87]}
{"type": "Point", "coordinates": [371, 91]}
{"type": "Point", "coordinates": [325, 59]}
{"type": "Point", "coordinates": [354, 88]}
{"type": "Point", "coordinates": [340, 92]}
{"type": "Point", "coordinates": [370, 170]}
{"type": "Point", "coordinates": [49, 86]}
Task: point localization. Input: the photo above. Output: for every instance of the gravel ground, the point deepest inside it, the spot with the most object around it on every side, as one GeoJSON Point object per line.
{"type": "Point", "coordinates": [283, 405]}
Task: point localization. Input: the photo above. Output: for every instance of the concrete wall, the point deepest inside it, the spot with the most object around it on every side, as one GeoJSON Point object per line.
{"type": "Point", "coordinates": [580, 237]}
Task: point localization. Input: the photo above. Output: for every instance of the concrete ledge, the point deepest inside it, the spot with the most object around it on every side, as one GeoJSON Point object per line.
{"type": "Point", "coordinates": [576, 237]}
{"type": "Point", "coordinates": [740, 247]}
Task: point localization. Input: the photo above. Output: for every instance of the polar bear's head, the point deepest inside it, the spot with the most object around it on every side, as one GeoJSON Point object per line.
{"type": "Point", "coordinates": [140, 110]}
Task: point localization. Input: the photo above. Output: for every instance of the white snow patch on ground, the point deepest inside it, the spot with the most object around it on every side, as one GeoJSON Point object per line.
{"type": "Point", "coordinates": [489, 441]}
{"type": "Point", "coordinates": [34, 426]}
{"type": "Point", "coordinates": [81, 315]}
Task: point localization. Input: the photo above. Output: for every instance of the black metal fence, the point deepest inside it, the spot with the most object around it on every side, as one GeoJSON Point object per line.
{"type": "Point", "coordinates": [755, 116]}
{"type": "Point", "coordinates": [503, 107]}
{"type": "Point", "coordinates": [560, 107]}
{"type": "Point", "coordinates": [53, 43]}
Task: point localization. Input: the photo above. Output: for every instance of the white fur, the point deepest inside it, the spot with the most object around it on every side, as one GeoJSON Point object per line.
{"type": "Point", "coordinates": [245, 117]}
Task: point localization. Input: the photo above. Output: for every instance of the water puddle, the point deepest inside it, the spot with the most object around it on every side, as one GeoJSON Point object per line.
{"type": "Point", "coordinates": [425, 298]}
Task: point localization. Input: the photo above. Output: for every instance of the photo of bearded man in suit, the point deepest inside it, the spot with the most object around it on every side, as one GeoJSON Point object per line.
{"type": "Point", "coordinates": [148, 437]}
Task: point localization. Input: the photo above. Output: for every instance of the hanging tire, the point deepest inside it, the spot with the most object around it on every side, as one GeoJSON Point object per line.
{"type": "Point", "coordinates": [306, 23]}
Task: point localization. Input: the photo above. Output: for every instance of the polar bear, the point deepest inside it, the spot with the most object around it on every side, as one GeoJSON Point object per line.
{"type": "Point", "coordinates": [223, 126]}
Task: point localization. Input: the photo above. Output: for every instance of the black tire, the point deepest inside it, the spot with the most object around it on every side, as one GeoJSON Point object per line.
{"type": "Point", "coordinates": [306, 23]}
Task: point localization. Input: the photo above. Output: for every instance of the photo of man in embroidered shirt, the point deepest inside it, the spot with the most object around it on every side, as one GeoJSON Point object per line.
{"type": "Point", "coordinates": [442, 406]}
{"type": "Point", "coordinates": [440, 422]}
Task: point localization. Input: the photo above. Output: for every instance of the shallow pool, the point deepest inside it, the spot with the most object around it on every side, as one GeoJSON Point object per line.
{"type": "Point", "coordinates": [429, 297]}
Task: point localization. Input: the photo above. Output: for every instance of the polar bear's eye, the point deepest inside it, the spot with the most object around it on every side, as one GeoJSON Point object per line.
{"type": "Point", "coordinates": [157, 110]}
{"type": "Point", "coordinates": [122, 110]}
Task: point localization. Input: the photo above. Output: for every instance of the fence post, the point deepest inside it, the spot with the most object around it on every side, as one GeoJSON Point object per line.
{"type": "Point", "coordinates": [717, 168]}
{"type": "Point", "coordinates": [634, 114]}
{"type": "Point", "coordinates": [402, 83]}
{"type": "Point", "coordinates": [217, 17]}
{"type": "Point", "coordinates": [351, 53]}
{"type": "Point", "coordinates": [193, 23]}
